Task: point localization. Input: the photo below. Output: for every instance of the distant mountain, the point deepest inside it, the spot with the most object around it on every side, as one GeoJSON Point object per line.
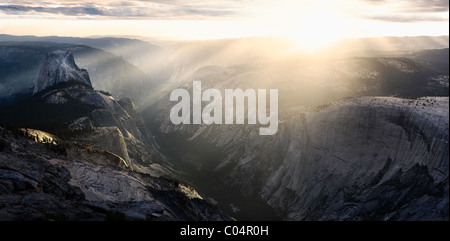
{"type": "Point", "coordinates": [149, 58]}
{"type": "Point", "coordinates": [126, 48]}
{"type": "Point", "coordinates": [315, 81]}
{"type": "Point", "coordinates": [20, 63]}
{"type": "Point", "coordinates": [182, 59]}
{"type": "Point", "coordinates": [375, 45]}
{"type": "Point", "coordinates": [170, 64]}
{"type": "Point", "coordinates": [434, 59]}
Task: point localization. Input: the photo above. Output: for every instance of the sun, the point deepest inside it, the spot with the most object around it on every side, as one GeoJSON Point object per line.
{"type": "Point", "coordinates": [316, 32]}
{"type": "Point", "coordinates": [310, 25]}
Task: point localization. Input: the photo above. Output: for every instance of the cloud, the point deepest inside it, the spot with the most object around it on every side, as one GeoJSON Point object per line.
{"type": "Point", "coordinates": [430, 6]}
{"type": "Point", "coordinates": [172, 9]}
{"type": "Point", "coordinates": [394, 10]}
{"type": "Point", "coordinates": [406, 11]}
{"type": "Point", "coordinates": [412, 6]}
{"type": "Point", "coordinates": [407, 19]}
{"type": "Point", "coordinates": [70, 11]}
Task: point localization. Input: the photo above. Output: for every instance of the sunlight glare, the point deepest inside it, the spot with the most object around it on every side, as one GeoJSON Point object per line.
{"type": "Point", "coordinates": [310, 25]}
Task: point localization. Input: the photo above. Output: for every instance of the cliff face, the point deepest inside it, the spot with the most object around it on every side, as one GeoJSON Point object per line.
{"type": "Point", "coordinates": [59, 66]}
{"type": "Point", "coordinates": [354, 159]}
{"type": "Point", "coordinates": [364, 159]}
{"type": "Point", "coordinates": [79, 182]}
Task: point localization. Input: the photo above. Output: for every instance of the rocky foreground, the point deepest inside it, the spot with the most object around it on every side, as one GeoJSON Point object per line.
{"type": "Point", "coordinates": [72, 181]}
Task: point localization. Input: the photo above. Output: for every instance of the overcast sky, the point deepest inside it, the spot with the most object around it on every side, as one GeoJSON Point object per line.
{"type": "Point", "coordinates": [196, 19]}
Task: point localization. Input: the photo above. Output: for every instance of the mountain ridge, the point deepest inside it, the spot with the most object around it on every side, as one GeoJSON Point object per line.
{"type": "Point", "coordinates": [20, 63]}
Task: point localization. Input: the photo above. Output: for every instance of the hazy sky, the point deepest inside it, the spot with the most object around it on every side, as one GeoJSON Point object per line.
{"type": "Point", "coordinates": [311, 22]}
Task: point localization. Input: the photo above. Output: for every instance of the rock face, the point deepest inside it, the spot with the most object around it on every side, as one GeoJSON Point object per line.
{"type": "Point", "coordinates": [109, 139]}
{"type": "Point", "coordinates": [355, 159]}
{"type": "Point", "coordinates": [84, 183]}
{"type": "Point", "coordinates": [59, 66]}
{"type": "Point", "coordinates": [364, 159]}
